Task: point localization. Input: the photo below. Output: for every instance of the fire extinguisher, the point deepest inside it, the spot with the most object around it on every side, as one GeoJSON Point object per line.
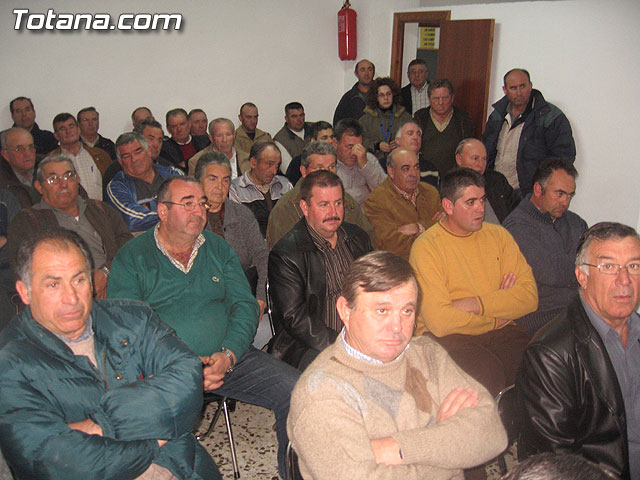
{"type": "Point", "coordinates": [347, 41]}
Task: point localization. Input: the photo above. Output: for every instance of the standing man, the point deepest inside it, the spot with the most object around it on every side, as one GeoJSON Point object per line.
{"type": "Point", "coordinates": [353, 103]}
{"type": "Point", "coordinates": [476, 283]}
{"type": "Point", "coordinates": [402, 207]}
{"type": "Point", "coordinates": [306, 268]}
{"type": "Point", "coordinates": [23, 115]}
{"type": "Point", "coordinates": [501, 198]}
{"type": "Point", "coordinates": [294, 135]}
{"type": "Point", "coordinates": [93, 389]}
{"type": "Point", "coordinates": [194, 281]}
{"type": "Point", "coordinates": [578, 383]}
{"type": "Point", "coordinates": [182, 145]}
{"type": "Point", "coordinates": [548, 235]}
{"type": "Point", "coordinates": [90, 162]}
{"type": "Point", "coordinates": [443, 126]}
{"type": "Point", "coordinates": [260, 187]}
{"type": "Point", "coordinates": [415, 96]}
{"type": "Point", "coordinates": [17, 165]}
{"type": "Point", "coordinates": [198, 120]}
{"type": "Point", "coordinates": [248, 132]}
{"type": "Point", "coordinates": [523, 130]}
{"type": "Point", "coordinates": [89, 121]}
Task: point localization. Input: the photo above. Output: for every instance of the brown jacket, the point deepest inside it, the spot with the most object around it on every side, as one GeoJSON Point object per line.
{"type": "Point", "coordinates": [100, 157]}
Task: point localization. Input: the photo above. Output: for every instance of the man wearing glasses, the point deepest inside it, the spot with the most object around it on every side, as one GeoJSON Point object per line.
{"type": "Point", "coordinates": [548, 235]}
{"type": "Point", "coordinates": [97, 223]}
{"type": "Point", "coordinates": [578, 385]}
{"type": "Point", "coordinates": [194, 281]}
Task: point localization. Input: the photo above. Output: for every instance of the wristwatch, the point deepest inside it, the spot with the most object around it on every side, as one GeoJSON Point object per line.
{"type": "Point", "coordinates": [228, 353]}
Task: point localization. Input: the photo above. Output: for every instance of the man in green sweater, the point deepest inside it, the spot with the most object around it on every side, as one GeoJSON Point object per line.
{"type": "Point", "coordinates": [194, 281]}
{"type": "Point", "coordinates": [377, 404]}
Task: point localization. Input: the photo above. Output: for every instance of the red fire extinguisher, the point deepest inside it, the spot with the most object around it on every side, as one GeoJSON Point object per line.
{"type": "Point", "coordinates": [347, 41]}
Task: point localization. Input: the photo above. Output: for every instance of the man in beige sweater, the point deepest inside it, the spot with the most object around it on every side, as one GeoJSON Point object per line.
{"type": "Point", "coordinates": [377, 404]}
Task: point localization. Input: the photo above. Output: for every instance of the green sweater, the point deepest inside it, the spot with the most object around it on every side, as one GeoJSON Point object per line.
{"type": "Point", "coordinates": [209, 307]}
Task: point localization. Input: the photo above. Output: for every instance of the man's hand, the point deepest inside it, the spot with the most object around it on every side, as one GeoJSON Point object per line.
{"type": "Point", "coordinates": [458, 399]}
{"type": "Point", "coordinates": [387, 147]}
{"type": "Point", "coordinates": [361, 154]}
{"type": "Point", "coordinates": [467, 304]}
{"type": "Point", "coordinates": [263, 305]}
{"type": "Point", "coordinates": [508, 281]}
{"type": "Point", "coordinates": [411, 229]}
{"type": "Point", "coordinates": [386, 451]}
{"type": "Point", "coordinates": [214, 371]}
{"type": "Point", "coordinates": [3, 241]}
{"type": "Point", "coordinates": [100, 280]}
{"type": "Point", "coordinates": [87, 426]}
{"type": "Point", "coordinates": [439, 215]}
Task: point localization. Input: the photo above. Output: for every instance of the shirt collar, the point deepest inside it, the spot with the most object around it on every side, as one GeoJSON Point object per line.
{"type": "Point", "coordinates": [355, 353]}
{"type": "Point", "coordinates": [85, 335]}
{"type": "Point", "coordinates": [194, 251]}
{"type": "Point", "coordinates": [603, 328]}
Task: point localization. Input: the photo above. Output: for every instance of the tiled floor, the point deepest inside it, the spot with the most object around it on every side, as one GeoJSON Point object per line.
{"type": "Point", "coordinates": [255, 441]}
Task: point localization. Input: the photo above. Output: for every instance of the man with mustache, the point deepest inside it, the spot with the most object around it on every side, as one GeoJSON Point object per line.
{"type": "Point", "coordinates": [98, 224]}
{"type": "Point", "coordinates": [548, 235]}
{"type": "Point", "coordinates": [306, 268]}
{"type": "Point", "coordinates": [194, 281]}
{"type": "Point", "coordinates": [402, 207]}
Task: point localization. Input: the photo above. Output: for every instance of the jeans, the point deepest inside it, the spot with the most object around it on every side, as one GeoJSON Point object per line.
{"type": "Point", "coordinates": [260, 379]}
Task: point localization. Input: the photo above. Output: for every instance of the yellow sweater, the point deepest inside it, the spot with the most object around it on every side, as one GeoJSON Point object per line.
{"type": "Point", "coordinates": [450, 267]}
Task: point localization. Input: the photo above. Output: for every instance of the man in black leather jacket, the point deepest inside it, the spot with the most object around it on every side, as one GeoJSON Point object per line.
{"type": "Point", "coordinates": [306, 268]}
{"type": "Point", "coordinates": [578, 384]}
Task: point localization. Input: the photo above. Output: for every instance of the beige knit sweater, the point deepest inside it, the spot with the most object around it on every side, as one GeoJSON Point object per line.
{"type": "Point", "coordinates": [340, 403]}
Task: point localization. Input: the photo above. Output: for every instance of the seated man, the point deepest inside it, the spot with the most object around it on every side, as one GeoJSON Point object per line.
{"type": "Point", "coordinates": [248, 132]}
{"type": "Point", "coordinates": [358, 169]}
{"type": "Point", "coordinates": [578, 383]}
{"type": "Point", "coordinates": [23, 115]}
{"type": "Point", "coordinates": [97, 223]}
{"type": "Point", "coordinates": [198, 120]}
{"type": "Point", "coordinates": [402, 207]}
{"type": "Point", "coordinates": [287, 212]}
{"type": "Point", "coordinates": [93, 389]}
{"type": "Point", "coordinates": [17, 165]}
{"type": "Point", "coordinates": [409, 136]}
{"type": "Point", "coordinates": [548, 235]}
{"type": "Point", "coordinates": [132, 192]}
{"type": "Point", "coordinates": [475, 283]}
{"type": "Point", "coordinates": [501, 198]}
{"type": "Point", "coordinates": [221, 133]}
{"type": "Point", "coordinates": [140, 114]}
{"type": "Point", "coordinates": [377, 404]}
{"type": "Point", "coordinates": [260, 188]}
{"type": "Point", "coordinates": [89, 122]}
{"type": "Point", "coordinates": [193, 280]}
{"type": "Point", "coordinates": [90, 162]}
{"type": "Point", "coordinates": [182, 145]}
{"type": "Point", "coordinates": [306, 268]}
{"type": "Point", "coordinates": [320, 132]}
{"type": "Point", "coordinates": [294, 135]}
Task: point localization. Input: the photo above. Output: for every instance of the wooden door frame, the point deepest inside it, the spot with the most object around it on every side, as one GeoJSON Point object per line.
{"type": "Point", "coordinates": [426, 19]}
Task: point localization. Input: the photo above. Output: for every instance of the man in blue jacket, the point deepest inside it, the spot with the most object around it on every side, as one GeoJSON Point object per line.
{"type": "Point", "coordinates": [93, 389]}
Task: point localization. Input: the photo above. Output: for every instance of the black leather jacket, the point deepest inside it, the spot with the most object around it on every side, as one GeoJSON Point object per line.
{"type": "Point", "coordinates": [569, 395]}
{"type": "Point", "coordinates": [297, 285]}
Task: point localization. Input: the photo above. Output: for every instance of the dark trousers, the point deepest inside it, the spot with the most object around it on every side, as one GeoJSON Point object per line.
{"type": "Point", "coordinates": [492, 358]}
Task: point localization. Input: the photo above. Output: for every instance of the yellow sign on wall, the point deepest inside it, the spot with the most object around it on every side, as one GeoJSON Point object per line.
{"type": "Point", "coordinates": [427, 39]}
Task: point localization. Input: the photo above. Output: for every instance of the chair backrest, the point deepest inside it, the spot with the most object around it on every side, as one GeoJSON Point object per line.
{"type": "Point", "coordinates": [508, 410]}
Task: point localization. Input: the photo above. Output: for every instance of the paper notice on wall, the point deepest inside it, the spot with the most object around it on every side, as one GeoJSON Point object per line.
{"type": "Point", "coordinates": [429, 38]}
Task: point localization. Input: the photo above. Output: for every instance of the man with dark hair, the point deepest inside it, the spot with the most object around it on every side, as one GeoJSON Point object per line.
{"type": "Point", "coordinates": [194, 281]}
{"type": "Point", "coordinates": [306, 268]}
{"type": "Point", "coordinates": [443, 126]}
{"type": "Point", "coordinates": [557, 466]}
{"type": "Point", "coordinates": [320, 132]}
{"type": "Point", "coordinates": [415, 96]}
{"type": "Point", "coordinates": [578, 385]}
{"type": "Point", "coordinates": [260, 188]}
{"type": "Point", "coordinates": [353, 102]}
{"type": "Point", "coordinates": [198, 120]}
{"type": "Point", "coordinates": [23, 115]}
{"type": "Point", "coordinates": [93, 389]}
{"type": "Point", "coordinates": [294, 135]}
{"type": "Point", "coordinates": [402, 207]}
{"type": "Point", "coordinates": [182, 145]}
{"type": "Point", "coordinates": [248, 132]}
{"type": "Point", "coordinates": [476, 284]}
{"type": "Point", "coordinates": [523, 130]}
{"type": "Point", "coordinates": [501, 198]}
{"type": "Point", "coordinates": [140, 114]}
{"type": "Point", "coordinates": [89, 121]}
{"type": "Point", "coordinates": [17, 165]}
{"type": "Point", "coordinates": [358, 169]}
{"type": "Point", "coordinates": [132, 192]}
{"type": "Point", "coordinates": [89, 162]}
{"type": "Point", "coordinates": [379, 404]}
{"type": "Point", "coordinates": [151, 131]}
{"type": "Point", "coordinates": [548, 235]}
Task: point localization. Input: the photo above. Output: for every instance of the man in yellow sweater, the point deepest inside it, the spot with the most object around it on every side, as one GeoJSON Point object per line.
{"type": "Point", "coordinates": [475, 282]}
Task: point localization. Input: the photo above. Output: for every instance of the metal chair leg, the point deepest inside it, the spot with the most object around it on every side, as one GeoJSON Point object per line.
{"type": "Point", "coordinates": [232, 445]}
{"type": "Point", "coordinates": [215, 418]}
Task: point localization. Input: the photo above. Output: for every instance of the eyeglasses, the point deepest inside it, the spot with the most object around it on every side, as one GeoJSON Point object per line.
{"type": "Point", "coordinates": [613, 268]}
{"type": "Point", "coordinates": [23, 148]}
{"type": "Point", "coordinates": [55, 179]}
{"type": "Point", "coordinates": [191, 206]}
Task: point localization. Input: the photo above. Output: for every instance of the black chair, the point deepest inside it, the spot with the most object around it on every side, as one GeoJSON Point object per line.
{"type": "Point", "coordinates": [225, 405]}
{"type": "Point", "coordinates": [293, 472]}
{"type": "Point", "coordinates": [507, 408]}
